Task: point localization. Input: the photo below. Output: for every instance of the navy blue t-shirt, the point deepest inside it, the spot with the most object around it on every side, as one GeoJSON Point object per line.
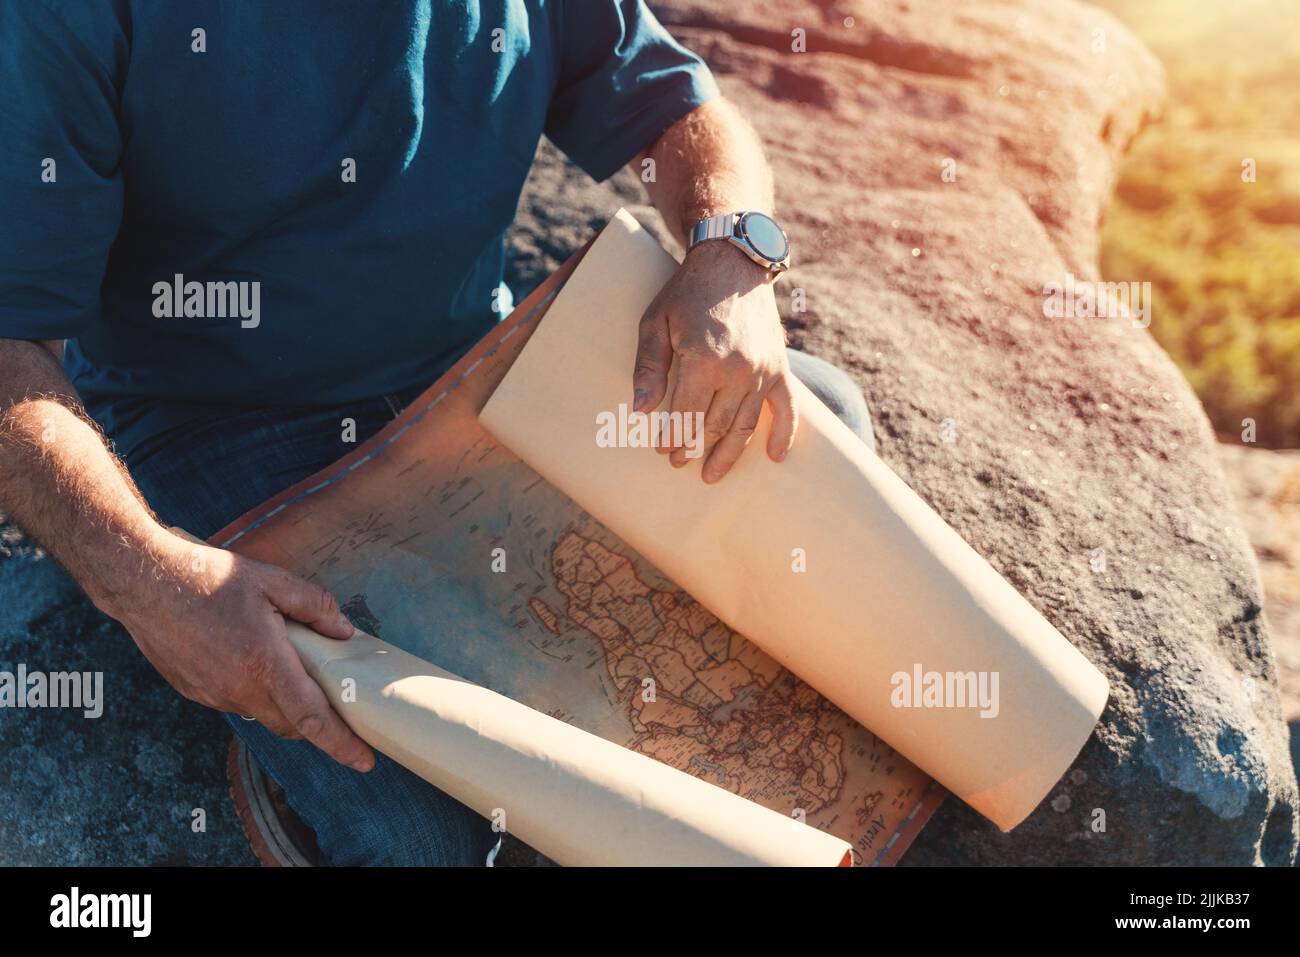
{"type": "Point", "coordinates": [236, 203]}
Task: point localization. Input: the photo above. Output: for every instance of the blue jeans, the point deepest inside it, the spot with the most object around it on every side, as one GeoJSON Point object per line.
{"type": "Point", "coordinates": [203, 477]}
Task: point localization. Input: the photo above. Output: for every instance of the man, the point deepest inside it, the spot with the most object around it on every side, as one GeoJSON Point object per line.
{"type": "Point", "coordinates": [250, 221]}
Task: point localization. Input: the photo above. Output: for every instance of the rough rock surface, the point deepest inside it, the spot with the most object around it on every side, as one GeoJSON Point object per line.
{"type": "Point", "coordinates": [1266, 486]}
{"type": "Point", "coordinates": [1069, 436]}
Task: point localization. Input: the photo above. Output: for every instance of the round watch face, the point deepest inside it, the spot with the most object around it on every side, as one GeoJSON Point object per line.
{"type": "Point", "coordinates": [765, 236]}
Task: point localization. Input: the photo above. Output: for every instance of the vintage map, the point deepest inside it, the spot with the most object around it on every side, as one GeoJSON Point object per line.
{"type": "Point", "coordinates": [441, 541]}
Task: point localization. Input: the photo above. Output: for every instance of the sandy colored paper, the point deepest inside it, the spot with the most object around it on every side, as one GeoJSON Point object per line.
{"type": "Point", "coordinates": [889, 588]}
{"type": "Point", "coordinates": [405, 530]}
{"type": "Point", "coordinates": [577, 798]}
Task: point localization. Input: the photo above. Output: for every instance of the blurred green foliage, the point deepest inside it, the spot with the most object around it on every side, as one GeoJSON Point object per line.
{"type": "Point", "coordinates": [1222, 253]}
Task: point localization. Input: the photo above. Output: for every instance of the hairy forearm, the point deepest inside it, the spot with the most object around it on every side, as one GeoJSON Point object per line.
{"type": "Point", "coordinates": [60, 483]}
{"type": "Point", "coordinates": [709, 162]}
{"type": "Point", "coordinates": [211, 622]}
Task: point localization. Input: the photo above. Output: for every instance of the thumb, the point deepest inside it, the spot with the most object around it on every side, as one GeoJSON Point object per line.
{"type": "Point", "coordinates": [654, 356]}
{"type": "Point", "coordinates": [310, 604]}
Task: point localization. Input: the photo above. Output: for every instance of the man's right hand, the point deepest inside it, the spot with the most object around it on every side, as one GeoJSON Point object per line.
{"type": "Point", "coordinates": [210, 621]}
{"type": "Point", "coordinates": [213, 624]}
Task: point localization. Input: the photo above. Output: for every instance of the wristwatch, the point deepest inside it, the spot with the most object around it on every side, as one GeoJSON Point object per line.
{"type": "Point", "coordinates": [757, 235]}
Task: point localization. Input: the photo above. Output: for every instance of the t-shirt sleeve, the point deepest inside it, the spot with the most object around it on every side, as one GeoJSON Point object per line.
{"type": "Point", "coordinates": [60, 182]}
{"type": "Point", "coordinates": [622, 81]}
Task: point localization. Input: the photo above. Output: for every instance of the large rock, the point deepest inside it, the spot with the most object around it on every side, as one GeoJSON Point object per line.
{"type": "Point", "coordinates": [1080, 465]}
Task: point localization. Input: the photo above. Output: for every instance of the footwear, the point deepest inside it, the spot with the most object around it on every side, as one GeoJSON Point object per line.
{"type": "Point", "coordinates": [278, 837]}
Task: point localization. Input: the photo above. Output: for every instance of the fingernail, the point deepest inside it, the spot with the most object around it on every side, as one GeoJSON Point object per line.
{"type": "Point", "coordinates": [638, 400]}
{"type": "Point", "coordinates": [345, 625]}
{"type": "Point", "coordinates": [364, 765]}
{"type": "Point", "coordinates": [780, 456]}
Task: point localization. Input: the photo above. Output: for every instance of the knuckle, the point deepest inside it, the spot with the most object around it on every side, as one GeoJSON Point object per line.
{"type": "Point", "coordinates": [739, 363]}
{"type": "Point", "coordinates": [716, 430]}
{"type": "Point", "coordinates": [249, 594]}
{"type": "Point", "coordinates": [310, 725]}
{"type": "Point", "coordinates": [282, 580]}
{"type": "Point", "coordinates": [651, 326]}
{"type": "Point", "coordinates": [282, 729]}
{"type": "Point", "coordinates": [645, 366]}
{"type": "Point", "coordinates": [328, 604]}
{"type": "Point", "coordinates": [720, 356]}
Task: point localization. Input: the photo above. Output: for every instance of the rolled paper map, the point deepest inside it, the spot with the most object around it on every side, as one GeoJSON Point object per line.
{"type": "Point", "coordinates": [577, 798]}
{"type": "Point", "coordinates": [827, 561]}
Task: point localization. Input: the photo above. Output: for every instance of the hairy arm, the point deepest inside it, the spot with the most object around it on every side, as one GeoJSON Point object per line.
{"type": "Point", "coordinates": [60, 482]}
{"type": "Point", "coordinates": [717, 315]}
{"type": "Point", "coordinates": [210, 621]}
{"type": "Point", "coordinates": [710, 161]}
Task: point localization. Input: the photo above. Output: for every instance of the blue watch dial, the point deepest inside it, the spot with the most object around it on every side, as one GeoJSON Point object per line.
{"type": "Point", "coordinates": [762, 232]}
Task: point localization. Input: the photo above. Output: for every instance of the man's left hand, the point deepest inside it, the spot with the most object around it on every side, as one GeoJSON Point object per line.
{"type": "Point", "coordinates": [718, 316]}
